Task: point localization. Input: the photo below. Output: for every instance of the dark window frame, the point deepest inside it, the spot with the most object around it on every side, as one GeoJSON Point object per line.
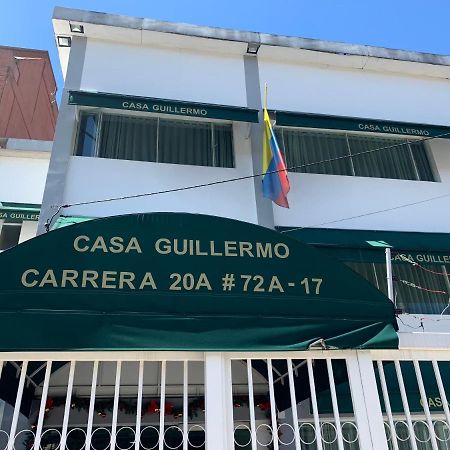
{"type": "Point", "coordinates": [422, 165]}
{"type": "Point", "coordinates": [219, 158]}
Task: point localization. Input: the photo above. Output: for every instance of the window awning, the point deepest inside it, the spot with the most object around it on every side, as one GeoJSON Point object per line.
{"type": "Point", "coordinates": [365, 125]}
{"type": "Point", "coordinates": [18, 212]}
{"type": "Point", "coordinates": [172, 281]}
{"type": "Point", "coordinates": [369, 245]}
{"type": "Point", "coordinates": [163, 106]}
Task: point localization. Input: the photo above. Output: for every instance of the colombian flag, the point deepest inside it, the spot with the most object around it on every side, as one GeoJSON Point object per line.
{"type": "Point", "coordinates": [275, 181]}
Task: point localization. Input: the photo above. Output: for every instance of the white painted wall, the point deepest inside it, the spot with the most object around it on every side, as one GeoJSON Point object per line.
{"type": "Point", "coordinates": [440, 152]}
{"type": "Point", "coordinates": [323, 200]}
{"type": "Point", "coordinates": [27, 231]}
{"type": "Point", "coordinates": [97, 178]}
{"type": "Point", "coordinates": [22, 179]}
{"type": "Point", "coordinates": [169, 73]}
{"type": "Point", "coordinates": [356, 92]}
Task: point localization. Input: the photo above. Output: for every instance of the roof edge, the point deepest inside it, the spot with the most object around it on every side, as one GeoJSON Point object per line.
{"type": "Point", "coordinates": [100, 18]}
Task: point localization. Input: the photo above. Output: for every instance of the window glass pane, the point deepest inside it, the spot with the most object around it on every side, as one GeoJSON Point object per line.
{"type": "Point", "coordinates": [304, 147]}
{"type": "Point", "coordinates": [132, 138]}
{"type": "Point", "coordinates": [393, 162]}
{"type": "Point", "coordinates": [182, 142]}
{"type": "Point", "coordinates": [416, 299]}
{"type": "Point", "coordinates": [87, 133]}
{"type": "Point", "coordinates": [420, 299]}
{"type": "Point", "coordinates": [223, 146]}
{"type": "Point", "coordinates": [9, 235]}
{"type": "Point", "coordinates": [422, 162]}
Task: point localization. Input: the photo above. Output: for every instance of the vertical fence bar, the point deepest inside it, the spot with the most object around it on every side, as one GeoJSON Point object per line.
{"type": "Point", "coordinates": [40, 423]}
{"type": "Point", "coordinates": [115, 405]}
{"type": "Point", "coordinates": [137, 434]}
{"type": "Point", "coordinates": [12, 432]}
{"type": "Point", "coordinates": [337, 420]}
{"type": "Point", "coordinates": [251, 404]}
{"type": "Point", "coordinates": [162, 405]}
{"type": "Point", "coordinates": [437, 374]}
{"type": "Point", "coordinates": [387, 404]}
{"type": "Point", "coordinates": [389, 278]}
{"type": "Point", "coordinates": [412, 436]}
{"type": "Point", "coordinates": [273, 412]}
{"type": "Point", "coordinates": [293, 404]}
{"type": "Point", "coordinates": [218, 402]}
{"type": "Point", "coordinates": [91, 406]}
{"type": "Point", "coordinates": [366, 401]}
{"type": "Point", "coordinates": [185, 404]}
{"type": "Point", "coordinates": [312, 388]}
{"type": "Point", "coordinates": [424, 399]}
{"type": "Point", "coordinates": [67, 406]}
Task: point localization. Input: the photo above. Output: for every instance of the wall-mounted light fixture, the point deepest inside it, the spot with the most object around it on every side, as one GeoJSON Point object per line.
{"type": "Point", "coordinates": [64, 41]}
{"type": "Point", "coordinates": [76, 28]}
{"type": "Point", "coordinates": [252, 48]}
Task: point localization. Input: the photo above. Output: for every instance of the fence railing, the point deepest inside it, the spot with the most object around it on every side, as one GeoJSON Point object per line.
{"type": "Point", "coordinates": [324, 400]}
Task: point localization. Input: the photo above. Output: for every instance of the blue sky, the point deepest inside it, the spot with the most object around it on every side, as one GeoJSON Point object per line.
{"type": "Point", "coordinates": [421, 25]}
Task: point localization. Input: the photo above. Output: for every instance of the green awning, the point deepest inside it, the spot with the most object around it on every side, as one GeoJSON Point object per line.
{"type": "Point", "coordinates": [365, 125]}
{"type": "Point", "coordinates": [64, 221]}
{"type": "Point", "coordinates": [163, 106]}
{"type": "Point", "coordinates": [18, 212]}
{"type": "Point", "coordinates": [369, 245]}
{"type": "Point", "coordinates": [172, 281]}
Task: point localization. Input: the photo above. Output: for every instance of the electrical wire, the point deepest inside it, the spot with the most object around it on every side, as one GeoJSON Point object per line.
{"type": "Point", "coordinates": [407, 325]}
{"type": "Point", "coordinates": [367, 214]}
{"type": "Point", "coordinates": [433, 291]}
{"type": "Point", "coordinates": [230, 180]}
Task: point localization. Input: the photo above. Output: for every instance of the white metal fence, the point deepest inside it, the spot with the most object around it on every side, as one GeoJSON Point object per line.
{"type": "Point", "coordinates": [324, 400]}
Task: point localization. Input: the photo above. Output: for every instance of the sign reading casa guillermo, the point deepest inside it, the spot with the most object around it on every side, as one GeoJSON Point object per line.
{"type": "Point", "coordinates": [288, 118]}
{"type": "Point", "coordinates": [162, 106]}
{"type": "Point", "coordinates": [170, 281]}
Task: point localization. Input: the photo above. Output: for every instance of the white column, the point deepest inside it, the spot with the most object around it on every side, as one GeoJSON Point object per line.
{"type": "Point", "coordinates": [218, 402]}
{"type": "Point", "coordinates": [366, 404]}
{"type": "Point", "coordinates": [28, 231]}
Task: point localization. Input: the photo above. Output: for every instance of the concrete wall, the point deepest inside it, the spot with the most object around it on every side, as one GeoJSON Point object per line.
{"type": "Point", "coordinates": [355, 92]}
{"type": "Point", "coordinates": [22, 178]}
{"type": "Point", "coordinates": [164, 73]}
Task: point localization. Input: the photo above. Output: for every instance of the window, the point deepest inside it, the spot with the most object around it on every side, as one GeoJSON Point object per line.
{"type": "Point", "coordinates": [355, 155]}
{"type": "Point", "coordinates": [411, 299]}
{"type": "Point", "coordinates": [9, 235]}
{"type": "Point", "coordinates": [155, 140]}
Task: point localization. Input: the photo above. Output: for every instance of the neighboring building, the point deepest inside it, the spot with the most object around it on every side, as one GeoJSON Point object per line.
{"type": "Point", "coordinates": [28, 108]}
{"type": "Point", "coordinates": [28, 113]}
{"type": "Point", "coordinates": [156, 121]}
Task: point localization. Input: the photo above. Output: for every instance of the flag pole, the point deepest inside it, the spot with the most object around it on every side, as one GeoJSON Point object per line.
{"type": "Point", "coordinates": [265, 95]}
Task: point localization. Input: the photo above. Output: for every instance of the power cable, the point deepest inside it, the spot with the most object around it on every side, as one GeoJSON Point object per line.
{"type": "Point", "coordinates": [367, 214]}
{"type": "Point", "coordinates": [230, 180]}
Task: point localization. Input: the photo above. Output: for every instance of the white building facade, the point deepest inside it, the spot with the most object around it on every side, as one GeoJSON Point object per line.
{"type": "Point", "coordinates": [167, 118]}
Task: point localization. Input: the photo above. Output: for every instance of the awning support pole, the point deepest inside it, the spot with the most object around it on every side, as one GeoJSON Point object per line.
{"type": "Point", "coordinates": [390, 282]}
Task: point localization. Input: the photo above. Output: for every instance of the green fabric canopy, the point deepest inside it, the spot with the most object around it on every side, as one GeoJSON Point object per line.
{"type": "Point", "coordinates": [170, 281]}
{"type": "Point", "coordinates": [369, 245]}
